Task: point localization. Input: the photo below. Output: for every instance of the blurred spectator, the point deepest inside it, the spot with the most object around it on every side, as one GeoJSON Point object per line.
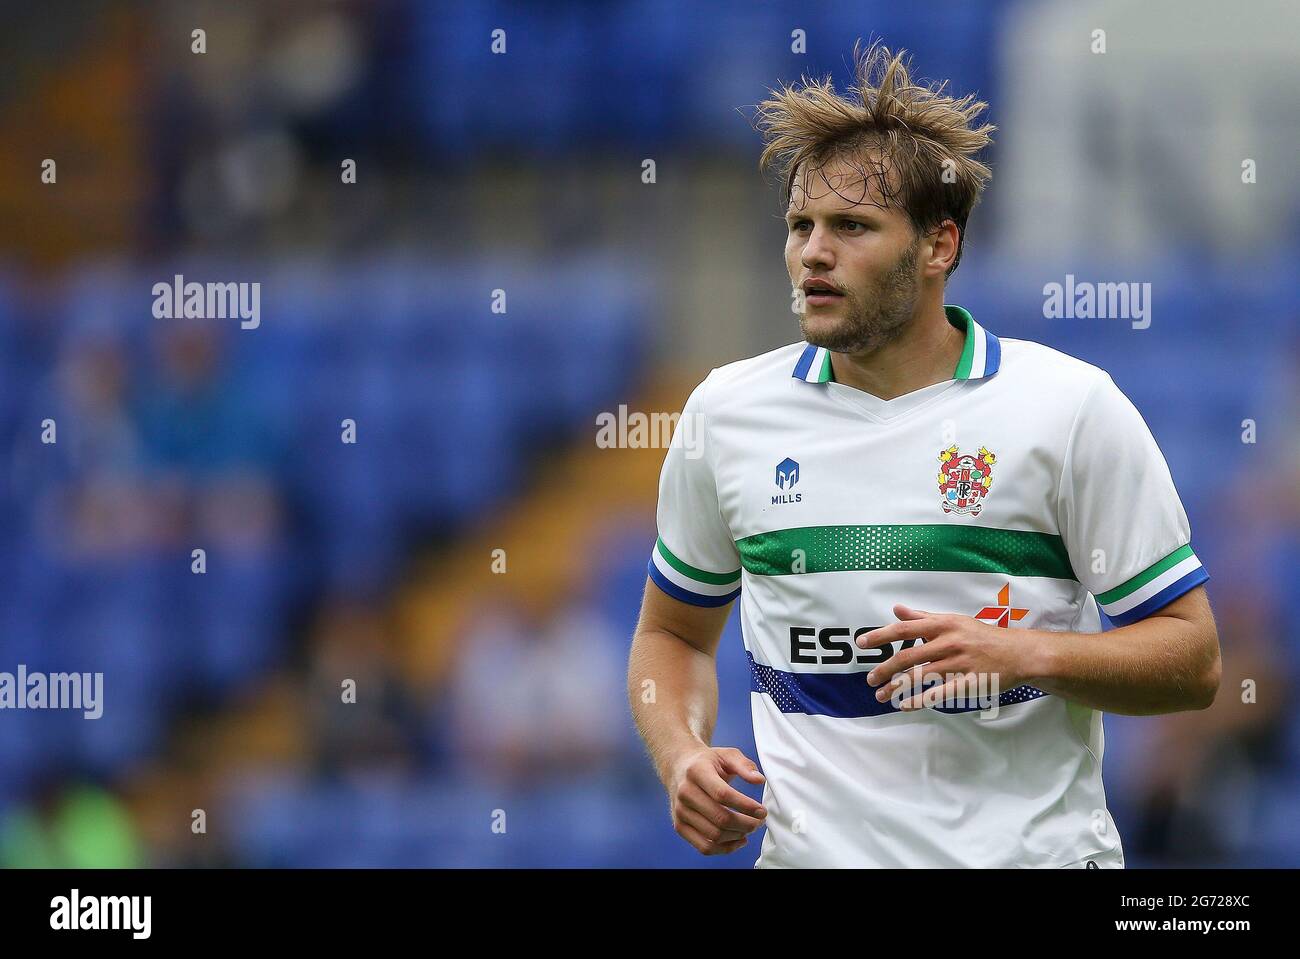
{"type": "Point", "coordinates": [362, 716]}
{"type": "Point", "coordinates": [1201, 770]}
{"type": "Point", "coordinates": [534, 701]}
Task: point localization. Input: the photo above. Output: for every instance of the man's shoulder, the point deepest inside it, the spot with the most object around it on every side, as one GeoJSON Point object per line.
{"type": "Point", "coordinates": [748, 378]}
{"type": "Point", "coordinates": [1032, 365]}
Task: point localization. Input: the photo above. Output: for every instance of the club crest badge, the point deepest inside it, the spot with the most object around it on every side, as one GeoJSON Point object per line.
{"type": "Point", "coordinates": [964, 479]}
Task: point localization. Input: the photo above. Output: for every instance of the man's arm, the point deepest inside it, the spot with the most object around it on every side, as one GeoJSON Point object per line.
{"type": "Point", "coordinates": [672, 682]}
{"type": "Point", "coordinates": [1164, 663]}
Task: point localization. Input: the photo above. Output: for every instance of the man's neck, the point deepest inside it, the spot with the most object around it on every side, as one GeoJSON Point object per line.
{"type": "Point", "coordinates": [926, 353]}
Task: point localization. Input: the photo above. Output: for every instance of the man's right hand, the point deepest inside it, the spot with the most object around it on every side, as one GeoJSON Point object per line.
{"type": "Point", "coordinates": [707, 811]}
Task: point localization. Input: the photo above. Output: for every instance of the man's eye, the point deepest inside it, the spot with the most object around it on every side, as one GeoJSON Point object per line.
{"type": "Point", "coordinates": [855, 225]}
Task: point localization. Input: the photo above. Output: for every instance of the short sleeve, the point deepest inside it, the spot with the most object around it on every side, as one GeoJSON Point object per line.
{"type": "Point", "coordinates": [1124, 526]}
{"type": "Point", "coordinates": [695, 558]}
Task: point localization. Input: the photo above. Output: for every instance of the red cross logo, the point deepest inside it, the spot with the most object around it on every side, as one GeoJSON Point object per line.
{"type": "Point", "coordinates": [1004, 613]}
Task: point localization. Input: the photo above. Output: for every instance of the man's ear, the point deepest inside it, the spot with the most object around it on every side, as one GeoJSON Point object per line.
{"type": "Point", "coordinates": [946, 241]}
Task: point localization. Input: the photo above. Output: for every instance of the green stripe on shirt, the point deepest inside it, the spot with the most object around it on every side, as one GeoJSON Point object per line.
{"type": "Point", "coordinates": [1146, 576]}
{"type": "Point", "coordinates": [699, 575]}
{"type": "Point", "coordinates": [937, 547]}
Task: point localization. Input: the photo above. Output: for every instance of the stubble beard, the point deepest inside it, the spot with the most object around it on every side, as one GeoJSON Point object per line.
{"type": "Point", "coordinates": [881, 319]}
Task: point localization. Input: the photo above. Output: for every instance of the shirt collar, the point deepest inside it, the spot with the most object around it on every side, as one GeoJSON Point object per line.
{"type": "Point", "coordinates": [980, 357]}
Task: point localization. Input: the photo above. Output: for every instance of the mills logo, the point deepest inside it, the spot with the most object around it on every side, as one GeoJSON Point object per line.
{"type": "Point", "coordinates": [787, 475]}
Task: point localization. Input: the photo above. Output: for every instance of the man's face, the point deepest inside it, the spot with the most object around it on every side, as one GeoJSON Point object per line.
{"type": "Point", "coordinates": [840, 232]}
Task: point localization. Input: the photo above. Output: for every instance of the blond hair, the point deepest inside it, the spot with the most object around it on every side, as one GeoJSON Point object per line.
{"type": "Point", "coordinates": [914, 142]}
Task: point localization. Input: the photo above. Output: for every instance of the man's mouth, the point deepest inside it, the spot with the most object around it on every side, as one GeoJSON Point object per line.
{"type": "Point", "coordinates": [818, 294]}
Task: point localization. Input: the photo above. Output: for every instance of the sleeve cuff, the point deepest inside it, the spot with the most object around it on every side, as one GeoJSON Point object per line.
{"type": "Point", "coordinates": [687, 583]}
{"type": "Point", "coordinates": [1155, 587]}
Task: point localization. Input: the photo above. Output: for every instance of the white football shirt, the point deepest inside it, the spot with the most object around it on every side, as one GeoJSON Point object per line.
{"type": "Point", "coordinates": [1026, 491]}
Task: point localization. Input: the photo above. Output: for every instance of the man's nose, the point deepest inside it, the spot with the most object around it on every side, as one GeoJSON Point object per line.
{"type": "Point", "coordinates": [817, 251]}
